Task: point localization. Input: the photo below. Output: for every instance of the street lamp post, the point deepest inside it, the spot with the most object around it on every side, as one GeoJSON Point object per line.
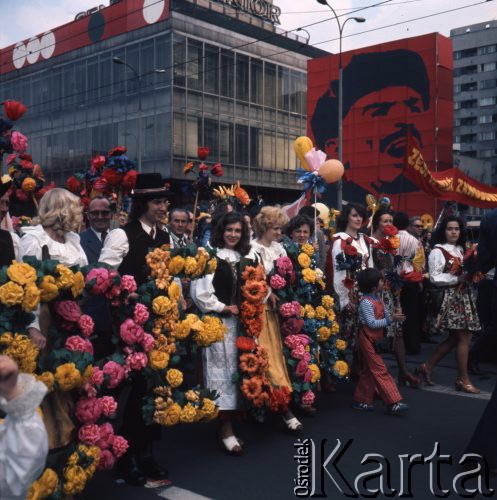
{"type": "Point", "coordinates": [340, 93]}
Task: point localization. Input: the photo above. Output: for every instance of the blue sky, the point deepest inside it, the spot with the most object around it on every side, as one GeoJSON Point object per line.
{"type": "Point", "coordinates": [26, 18]}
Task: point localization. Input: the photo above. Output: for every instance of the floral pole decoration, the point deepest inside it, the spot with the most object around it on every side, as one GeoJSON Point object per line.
{"type": "Point", "coordinates": [203, 181]}
{"type": "Point", "coordinates": [11, 141]}
{"type": "Point", "coordinates": [234, 194]}
{"type": "Point", "coordinates": [255, 386]}
{"type": "Point", "coordinates": [113, 176]}
{"type": "Point", "coordinates": [171, 403]}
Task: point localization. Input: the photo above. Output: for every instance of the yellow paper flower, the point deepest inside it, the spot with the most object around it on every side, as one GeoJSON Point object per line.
{"type": "Point", "coordinates": [327, 301]}
{"type": "Point", "coordinates": [188, 413]}
{"type": "Point", "coordinates": [335, 328]}
{"type": "Point", "coordinates": [341, 344]}
{"type": "Point", "coordinates": [75, 478]}
{"type": "Point", "coordinates": [11, 294]}
{"type": "Point", "coordinates": [78, 284]}
{"type": "Point", "coordinates": [174, 291]}
{"type": "Point", "coordinates": [158, 360]}
{"type": "Point", "coordinates": [202, 259]}
{"type": "Point", "coordinates": [309, 311]}
{"type": "Point", "coordinates": [21, 273]}
{"type": "Point", "coordinates": [174, 377]}
{"type": "Point", "coordinates": [21, 350]}
{"type": "Point", "coordinates": [181, 330]}
{"type": "Point", "coordinates": [48, 482]}
{"type": "Point", "coordinates": [211, 266]}
{"type": "Point", "coordinates": [31, 298]}
{"type": "Point", "coordinates": [308, 249]}
{"type": "Point", "coordinates": [320, 312]}
{"type": "Point", "coordinates": [192, 396]}
{"type": "Point", "coordinates": [48, 379]}
{"type": "Point", "coordinates": [324, 333]}
{"type": "Point", "coordinates": [309, 275]}
{"type": "Point", "coordinates": [316, 373]}
{"type": "Point", "coordinates": [28, 184]}
{"type": "Point", "coordinates": [67, 376]}
{"type": "Point", "coordinates": [48, 289]}
{"type": "Point", "coordinates": [190, 265]}
{"type": "Point", "coordinates": [65, 277]}
{"type": "Point", "coordinates": [208, 406]}
{"type": "Point", "coordinates": [209, 330]}
{"type": "Point", "coordinates": [161, 305]}
{"type": "Point", "coordinates": [176, 265]}
{"type": "Point", "coordinates": [341, 367]}
{"type": "Point", "coordinates": [170, 416]}
{"type": "Point", "coordinates": [304, 260]}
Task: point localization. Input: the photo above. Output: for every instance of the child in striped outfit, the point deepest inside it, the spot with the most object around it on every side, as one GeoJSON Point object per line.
{"type": "Point", "coordinates": [374, 378]}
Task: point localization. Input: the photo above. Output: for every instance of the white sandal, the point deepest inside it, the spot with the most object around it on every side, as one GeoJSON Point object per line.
{"type": "Point", "coordinates": [293, 424]}
{"type": "Point", "coordinates": [229, 444]}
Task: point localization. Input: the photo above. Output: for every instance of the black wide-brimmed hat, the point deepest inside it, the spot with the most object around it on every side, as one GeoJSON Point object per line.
{"type": "Point", "coordinates": [5, 184]}
{"type": "Point", "coordinates": [150, 186]}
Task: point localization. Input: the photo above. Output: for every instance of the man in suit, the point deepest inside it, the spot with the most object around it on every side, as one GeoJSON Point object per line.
{"type": "Point", "coordinates": [92, 240]}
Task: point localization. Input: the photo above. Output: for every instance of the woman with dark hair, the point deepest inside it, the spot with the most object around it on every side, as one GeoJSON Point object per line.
{"type": "Point", "coordinates": [382, 225]}
{"type": "Point", "coordinates": [457, 312]}
{"type": "Point", "coordinates": [350, 253]}
{"type": "Point", "coordinates": [219, 293]}
{"type": "Point", "coordinates": [300, 229]}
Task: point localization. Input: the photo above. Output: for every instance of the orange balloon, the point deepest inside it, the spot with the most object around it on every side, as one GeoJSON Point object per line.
{"type": "Point", "coordinates": [331, 171]}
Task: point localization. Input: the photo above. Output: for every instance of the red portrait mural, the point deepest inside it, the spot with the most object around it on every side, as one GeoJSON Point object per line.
{"type": "Point", "coordinates": [392, 93]}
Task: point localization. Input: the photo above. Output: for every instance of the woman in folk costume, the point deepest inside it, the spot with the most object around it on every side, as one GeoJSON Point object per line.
{"type": "Point", "coordinates": [351, 252]}
{"type": "Point", "coordinates": [457, 312]}
{"type": "Point", "coordinates": [268, 226]}
{"type": "Point", "coordinates": [61, 215]}
{"type": "Point", "coordinates": [220, 293]}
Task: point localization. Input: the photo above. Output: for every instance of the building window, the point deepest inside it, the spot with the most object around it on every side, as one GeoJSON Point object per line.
{"type": "Point", "coordinates": [469, 120]}
{"type": "Point", "coordinates": [488, 101]}
{"type": "Point", "coordinates": [466, 70]}
{"type": "Point", "coordinates": [194, 73]}
{"type": "Point", "coordinates": [242, 77]}
{"type": "Point", "coordinates": [488, 49]}
{"type": "Point", "coordinates": [227, 73]}
{"type": "Point", "coordinates": [179, 54]}
{"type": "Point", "coordinates": [256, 81]}
{"type": "Point", "coordinates": [488, 84]}
{"type": "Point", "coordinates": [211, 69]}
{"type": "Point", "coordinates": [468, 138]}
{"type": "Point", "coordinates": [486, 136]}
{"type": "Point", "coordinates": [270, 85]}
{"type": "Point", "coordinates": [492, 66]}
{"type": "Point", "coordinates": [488, 153]}
{"type": "Point", "coordinates": [468, 87]}
{"type": "Point", "coordinates": [461, 54]}
{"type": "Point", "coordinates": [485, 119]}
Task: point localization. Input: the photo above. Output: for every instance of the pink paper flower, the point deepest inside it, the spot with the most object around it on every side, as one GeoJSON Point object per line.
{"type": "Point", "coordinates": [102, 280]}
{"type": "Point", "coordinates": [298, 352]}
{"type": "Point", "coordinates": [140, 314]}
{"type": "Point", "coordinates": [107, 460]}
{"type": "Point", "coordinates": [106, 436]}
{"type": "Point", "coordinates": [68, 310]}
{"type": "Point", "coordinates": [22, 195]}
{"type": "Point", "coordinates": [284, 265]}
{"type": "Point", "coordinates": [115, 373]}
{"type": "Point", "coordinates": [86, 324]}
{"type": "Point", "coordinates": [277, 282]}
{"type": "Point", "coordinates": [292, 326]}
{"type": "Point", "coordinates": [137, 361]}
{"type": "Point", "coordinates": [148, 342]}
{"type": "Point", "coordinates": [128, 283]}
{"type": "Point", "coordinates": [89, 434]}
{"type": "Point", "coordinates": [308, 398]}
{"type": "Point", "coordinates": [97, 377]}
{"type": "Point", "coordinates": [109, 406]}
{"type": "Point", "coordinates": [290, 309]}
{"type": "Point", "coordinates": [19, 141]}
{"type": "Point", "coordinates": [89, 390]}
{"type": "Point", "coordinates": [88, 410]}
{"type": "Point", "coordinates": [119, 446]}
{"type": "Point", "coordinates": [77, 343]}
{"type": "Point", "coordinates": [308, 376]}
{"type": "Point", "coordinates": [130, 332]}
{"type": "Point", "coordinates": [301, 368]}
{"type": "Point", "coordinates": [292, 341]}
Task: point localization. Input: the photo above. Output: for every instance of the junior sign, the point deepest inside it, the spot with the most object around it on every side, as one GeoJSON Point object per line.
{"type": "Point", "coordinates": [259, 8]}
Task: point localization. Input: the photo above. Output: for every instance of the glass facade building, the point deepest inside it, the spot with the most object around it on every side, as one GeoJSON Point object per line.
{"type": "Point", "coordinates": [205, 76]}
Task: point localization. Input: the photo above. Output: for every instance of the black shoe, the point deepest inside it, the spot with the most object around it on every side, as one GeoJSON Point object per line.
{"type": "Point", "coordinates": [152, 469]}
{"type": "Point", "coordinates": [131, 471]}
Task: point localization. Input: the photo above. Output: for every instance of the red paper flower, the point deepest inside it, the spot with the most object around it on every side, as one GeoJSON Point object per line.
{"type": "Point", "coordinates": [349, 250]}
{"type": "Point", "coordinates": [217, 170]}
{"type": "Point", "coordinates": [348, 283]}
{"type": "Point", "coordinates": [73, 184]}
{"type": "Point", "coordinates": [129, 179]}
{"type": "Point", "coordinates": [112, 177]}
{"type": "Point", "coordinates": [390, 230]}
{"type": "Point", "coordinates": [101, 184]}
{"type": "Point", "coordinates": [97, 162]}
{"type": "Point", "coordinates": [203, 152]}
{"type": "Point", "coordinates": [14, 109]}
{"type": "Point", "coordinates": [117, 151]}
{"type": "Point", "coordinates": [245, 344]}
{"type": "Point", "coordinates": [203, 167]}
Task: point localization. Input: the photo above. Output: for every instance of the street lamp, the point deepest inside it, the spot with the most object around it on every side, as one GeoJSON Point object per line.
{"type": "Point", "coordinates": [340, 93]}
{"type": "Point", "coordinates": [138, 77]}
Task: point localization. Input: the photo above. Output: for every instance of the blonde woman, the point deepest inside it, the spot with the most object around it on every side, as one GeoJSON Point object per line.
{"type": "Point", "coordinates": [60, 214]}
{"type": "Point", "coordinates": [268, 226]}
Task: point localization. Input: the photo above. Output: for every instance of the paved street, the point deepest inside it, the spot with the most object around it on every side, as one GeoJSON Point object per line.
{"type": "Point", "coordinates": [267, 469]}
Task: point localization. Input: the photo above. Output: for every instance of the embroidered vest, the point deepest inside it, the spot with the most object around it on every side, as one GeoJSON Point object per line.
{"type": "Point", "coordinates": [225, 282]}
{"type": "Point", "coordinates": [7, 254]}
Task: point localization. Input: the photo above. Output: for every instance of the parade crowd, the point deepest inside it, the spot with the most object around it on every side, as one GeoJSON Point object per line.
{"type": "Point", "coordinates": [116, 324]}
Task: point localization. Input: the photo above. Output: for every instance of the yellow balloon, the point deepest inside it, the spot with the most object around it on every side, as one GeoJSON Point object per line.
{"type": "Point", "coordinates": [301, 146]}
{"type": "Point", "coordinates": [331, 171]}
{"type": "Point", "coordinates": [324, 211]}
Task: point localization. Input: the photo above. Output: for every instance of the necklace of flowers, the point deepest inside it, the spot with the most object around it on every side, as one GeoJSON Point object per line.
{"type": "Point", "coordinates": [254, 362]}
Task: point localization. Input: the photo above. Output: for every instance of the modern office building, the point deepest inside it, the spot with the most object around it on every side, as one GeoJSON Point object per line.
{"type": "Point", "coordinates": [475, 92]}
{"type": "Point", "coordinates": [216, 73]}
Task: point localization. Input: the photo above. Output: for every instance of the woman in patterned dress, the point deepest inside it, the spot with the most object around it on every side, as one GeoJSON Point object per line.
{"type": "Point", "coordinates": [457, 313]}
{"type": "Point", "coordinates": [219, 293]}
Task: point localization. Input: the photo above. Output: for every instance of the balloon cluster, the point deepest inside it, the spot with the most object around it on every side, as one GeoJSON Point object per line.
{"type": "Point", "coordinates": [319, 170]}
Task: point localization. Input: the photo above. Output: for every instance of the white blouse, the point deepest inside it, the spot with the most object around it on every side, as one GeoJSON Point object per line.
{"type": "Point", "coordinates": [268, 254]}
{"type": "Point", "coordinates": [338, 276]}
{"type": "Point", "coordinates": [70, 253]}
{"type": "Point", "coordinates": [202, 290]}
{"type": "Point", "coordinates": [436, 264]}
{"type": "Point", "coordinates": [23, 440]}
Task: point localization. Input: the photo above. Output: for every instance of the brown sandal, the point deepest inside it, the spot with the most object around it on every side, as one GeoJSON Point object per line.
{"type": "Point", "coordinates": [422, 371]}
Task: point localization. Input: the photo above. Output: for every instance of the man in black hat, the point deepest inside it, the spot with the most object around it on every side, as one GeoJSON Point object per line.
{"type": "Point", "coordinates": [126, 249]}
{"type": "Point", "coordinates": [9, 242]}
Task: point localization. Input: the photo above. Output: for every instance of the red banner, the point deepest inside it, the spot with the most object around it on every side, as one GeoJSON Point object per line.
{"type": "Point", "coordinates": [450, 184]}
